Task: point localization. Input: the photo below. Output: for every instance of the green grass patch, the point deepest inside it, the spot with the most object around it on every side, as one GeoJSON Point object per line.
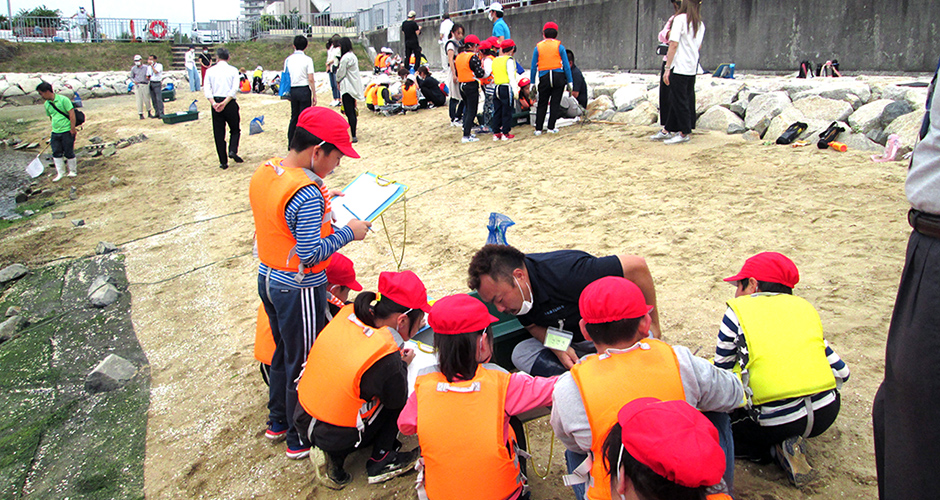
{"type": "Point", "coordinates": [80, 57]}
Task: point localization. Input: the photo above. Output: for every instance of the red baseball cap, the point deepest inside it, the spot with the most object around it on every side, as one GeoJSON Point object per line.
{"type": "Point", "coordinates": [461, 313]}
{"type": "Point", "coordinates": [471, 39]}
{"type": "Point", "coordinates": [550, 25]}
{"type": "Point", "coordinates": [507, 44]}
{"type": "Point", "coordinates": [674, 440]}
{"type": "Point", "coordinates": [404, 288]}
{"type": "Point", "coordinates": [524, 82]}
{"type": "Point", "coordinates": [769, 266]}
{"type": "Point", "coordinates": [494, 41]}
{"type": "Point", "coordinates": [340, 272]}
{"type": "Point", "coordinates": [485, 45]}
{"type": "Point", "coordinates": [612, 298]}
{"type": "Point", "coordinates": [329, 126]}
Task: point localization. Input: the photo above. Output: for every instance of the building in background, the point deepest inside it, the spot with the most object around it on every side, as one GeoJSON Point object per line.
{"type": "Point", "coordinates": [252, 9]}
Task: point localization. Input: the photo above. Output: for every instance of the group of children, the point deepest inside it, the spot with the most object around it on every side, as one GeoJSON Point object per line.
{"type": "Point", "coordinates": [256, 83]}
{"type": "Point", "coordinates": [413, 91]}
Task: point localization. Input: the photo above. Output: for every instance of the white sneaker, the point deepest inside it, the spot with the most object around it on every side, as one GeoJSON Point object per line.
{"type": "Point", "coordinates": [497, 137]}
{"type": "Point", "coordinates": [538, 133]}
{"type": "Point", "coordinates": [553, 131]}
{"type": "Point", "coordinates": [661, 136]}
{"type": "Point", "coordinates": [677, 139]}
{"type": "Point", "coordinates": [469, 139]}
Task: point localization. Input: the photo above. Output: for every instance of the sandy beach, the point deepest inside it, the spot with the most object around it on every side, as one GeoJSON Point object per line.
{"type": "Point", "coordinates": [693, 211]}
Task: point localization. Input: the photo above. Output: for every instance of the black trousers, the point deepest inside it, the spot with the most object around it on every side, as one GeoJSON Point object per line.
{"type": "Point", "coordinates": [681, 116]}
{"type": "Point", "coordinates": [409, 50]}
{"type": "Point", "coordinates": [349, 108]}
{"type": "Point", "coordinates": [906, 412]}
{"type": "Point", "coordinates": [551, 88]}
{"type": "Point", "coordinates": [257, 85]}
{"type": "Point", "coordinates": [300, 99]}
{"type": "Point", "coordinates": [156, 98]}
{"type": "Point", "coordinates": [63, 145]}
{"type": "Point", "coordinates": [470, 91]}
{"type": "Point", "coordinates": [754, 440]}
{"type": "Point", "coordinates": [502, 110]}
{"type": "Point", "coordinates": [229, 116]}
{"type": "Point", "coordinates": [663, 97]}
{"type": "Point", "coordinates": [456, 109]}
{"type": "Point", "coordinates": [339, 442]}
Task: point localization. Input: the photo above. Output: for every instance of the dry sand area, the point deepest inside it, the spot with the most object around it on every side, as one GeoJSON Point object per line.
{"type": "Point", "coordinates": [694, 211]}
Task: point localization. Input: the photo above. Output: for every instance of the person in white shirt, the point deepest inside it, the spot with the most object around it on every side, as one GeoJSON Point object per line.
{"type": "Point", "coordinates": [332, 63]}
{"type": "Point", "coordinates": [140, 75]}
{"type": "Point", "coordinates": [81, 19]}
{"type": "Point", "coordinates": [156, 86]}
{"type": "Point", "coordinates": [195, 81]}
{"type": "Point", "coordinates": [221, 87]}
{"type": "Point", "coordinates": [685, 40]}
{"type": "Point", "coordinates": [303, 87]}
{"type": "Point", "coordinates": [446, 25]}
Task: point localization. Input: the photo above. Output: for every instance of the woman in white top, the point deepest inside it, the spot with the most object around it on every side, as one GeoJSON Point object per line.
{"type": "Point", "coordinates": [685, 40]}
{"type": "Point", "coordinates": [452, 48]}
{"type": "Point", "coordinates": [332, 63]}
{"type": "Point", "coordinates": [350, 83]}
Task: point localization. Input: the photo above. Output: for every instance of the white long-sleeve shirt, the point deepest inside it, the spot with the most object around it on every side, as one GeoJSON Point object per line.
{"type": "Point", "coordinates": [190, 59]}
{"type": "Point", "coordinates": [221, 81]}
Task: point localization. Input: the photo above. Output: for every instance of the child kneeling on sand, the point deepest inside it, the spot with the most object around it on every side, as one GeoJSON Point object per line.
{"type": "Point", "coordinates": [791, 375]}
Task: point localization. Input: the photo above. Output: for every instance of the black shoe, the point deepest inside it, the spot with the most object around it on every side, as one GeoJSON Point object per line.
{"type": "Point", "coordinates": [223, 166]}
{"type": "Point", "coordinates": [392, 464]}
{"type": "Point", "coordinates": [150, 115]}
{"type": "Point", "coordinates": [329, 470]}
{"type": "Point", "coordinates": [141, 116]}
{"type": "Point", "coordinates": [238, 159]}
{"type": "Point", "coordinates": [355, 140]}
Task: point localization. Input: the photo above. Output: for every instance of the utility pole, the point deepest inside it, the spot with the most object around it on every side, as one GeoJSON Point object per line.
{"type": "Point", "coordinates": [10, 13]}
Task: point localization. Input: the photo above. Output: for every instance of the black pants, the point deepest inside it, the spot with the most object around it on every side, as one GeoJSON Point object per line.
{"type": "Point", "coordinates": [156, 98]}
{"type": "Point", "coordinates": [663, 97]}
{"type": "Point", "coordinates": [339, 442]}
{"type": "Point", "coordinates": [470, 91]}
{"type": "Point", "coordinates": [906, 412]}
{"type": "Point", "coordinates": [502, 110]}
{"type": "Point", "coordinates": [349, 107]}
{"type": "Point", "coordinates": [409, 50]}
{"type": "Point", "coordinates": [229, 116]}
{"type": "Point", "coordinates": [456, 109]}
{"type": "Point", "coordinates": [551, 88]}
{"type": "Point", "coordinates": [755, 441]}
{"type": "Point", "coordinates": [63, 145]}
{"type": "Point", "coordinates": [681, 116]}
{"type": "Point", "coordinates": [257, 85]}
{"type": "Point", "coordinates": [300, 99]}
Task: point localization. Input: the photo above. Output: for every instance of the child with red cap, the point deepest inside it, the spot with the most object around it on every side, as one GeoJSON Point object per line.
{"type": "Point", "coordinates": [504, 78]}
{"type": "Point", "coordinates": [791, 375]}
{"type": "Point", "coordinates": [295, 238]}
{"type": "Point", "coordinates": [628, 365]}
{"type": "Point", "coordinates": [464, 392]}
{"type": "Point", "coordinates": [355, 382]}
{"type": "Point", "coordinates": [486, 54]}
{"type": "Point", "coordinates": [664, 450]}
{"type": "Point", "coordinates": [550, 64]}
{"type": "Point", "coordinates": [469, 69]}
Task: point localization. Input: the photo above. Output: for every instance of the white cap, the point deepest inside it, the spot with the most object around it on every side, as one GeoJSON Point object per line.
{"type": "Point", "coordinates": [137, 57]}
{"type": "Point", "coordinates": [412, 14]}
{"type": "Point", "coordinates": [383, 79]}
{"type": "Point", "coordinates": [387, 50]}
{"type": "Point", "coordinates": [495, 6]}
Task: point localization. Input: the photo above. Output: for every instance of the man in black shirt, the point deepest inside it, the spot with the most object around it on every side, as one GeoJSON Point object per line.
{"type": "Point", "coordinates": [578, 87]}
{"type": "Point", "coordinates": [542, 290]}
{"type": "Point", "coordinates": [411, 30]}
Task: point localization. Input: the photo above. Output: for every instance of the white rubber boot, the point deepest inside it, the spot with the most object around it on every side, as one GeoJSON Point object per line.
{"type": "Point", "coordinates": [59, 169]}
{"type": "Point", "coordinates": [73, 167]}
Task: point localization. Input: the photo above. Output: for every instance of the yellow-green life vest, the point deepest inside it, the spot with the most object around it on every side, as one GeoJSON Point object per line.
{"type": "Point", "coordinates": [785, 347]}
{"type": "Point", "coordinates": [500, 73]}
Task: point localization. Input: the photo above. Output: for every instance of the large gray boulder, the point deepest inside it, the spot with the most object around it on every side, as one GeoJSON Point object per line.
{"type": "Point", "coordinates": [102, 293]}
{"type": "Point", "coordinates": [9, 327]}
{"type": "Point", "coordinates": [858, 142]}
{"type": "Point", "coordinates": [916, 97]}
{"type": "Point", "coordinates": [907, 127]}
{"type": "Point", "coordinates": [626, 98]}
{"type": "Point", "coordinates": [13, 90]}
{"type": "Point", "coordinates": [842, 89]}
{"type": "Point", "coordinates": [110, 374]}
{"type": "Point", "coordinates": [763, 109]}
{"type": "Point", "coordinates": [601, 108]}
{"type": "Point", "coordinates": [721, 119]}
{"type": "Point", "coordinates": [868, 117]}
{"type": "Point", "coordinates": [29, 85]}
{"type": "Point", "coordinates": [781, 122]}
{"type": "Point", "coordinates": [12, 272]}
{"type": "Point", "coordinates": [821, 108]}
{"type": "Point", "coordinates": [895, 110]}
{"type": "Point", "coordinates": [645, 113]}
{"type": "Point", "coordinates": [714, 96]}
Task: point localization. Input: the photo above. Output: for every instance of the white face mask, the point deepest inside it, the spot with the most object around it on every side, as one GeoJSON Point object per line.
{"type": "Point", "coordinates": [136, 63]}
{"type": "Point", "coordinates": [526, 304]}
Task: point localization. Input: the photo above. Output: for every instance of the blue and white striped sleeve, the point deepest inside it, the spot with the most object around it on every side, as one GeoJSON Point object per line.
{"type": "Point", "coordinates": [304, 215]}
{"type": "Point", "coordinates": [725, 352]}
{"type": "Point", "coordinates": [839, 368]}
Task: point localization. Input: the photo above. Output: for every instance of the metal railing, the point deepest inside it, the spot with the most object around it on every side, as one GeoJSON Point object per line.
{"type": "Point", "coordinates": [392, 12]}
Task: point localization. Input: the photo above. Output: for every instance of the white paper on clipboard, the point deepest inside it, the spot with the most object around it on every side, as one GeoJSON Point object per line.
{"type": "Point", "coordinates": [364, 197]}
{"type": "Point", "coordinates": [423, 359]}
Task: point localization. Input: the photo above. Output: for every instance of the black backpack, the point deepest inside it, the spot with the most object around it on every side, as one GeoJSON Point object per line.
{"type": "Point", "coordinates": [829, 135]}
{"type": "Point", "coordinates": [806, 70]}
{"type": "Point", "coordinates": [79, 116]}
{"type": "Point", "coordinates": [792, 133]}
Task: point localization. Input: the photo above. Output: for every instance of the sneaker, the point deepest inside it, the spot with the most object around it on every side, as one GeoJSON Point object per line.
{"type": "Point", "coordinates": [677, 139]}
{"type": "Point", "coordinates": [662, 135]}
{"type": "Point", "coordinates": [469, 139]}
{"type": "Point", "coordinates": [355, 140]}
{"type": "Point", "coordinates": [276, 432]}
{"type": "Point", "coordinates": [392, 464]}
{"type": "Point", "coordinates": [553, 131]}
{"type": "Point", "coordinates": [141, 116]}
{"type": "Point", "coordinates": [73, 174]}
{"type": "Point", "coordinates": [329, 472]}
{"type": "Point", "coordinates": [538, 133]}
{"type": "Point", "coordinates": [298, 453]}
{"type": "Point", "coordinates": [791, 456]}
{"type": "Point", "coordinates": [497, 137]}
{"type": "Point", "coordinates": [456, 123]}
{"type": "Point", "coordinates": [506, 137]}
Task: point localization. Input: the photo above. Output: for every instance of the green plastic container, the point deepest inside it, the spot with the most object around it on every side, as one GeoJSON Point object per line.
{"type": "Point", "coordinates": [169, 95]}
{"type": "Point", "coordinates": [182, 116]}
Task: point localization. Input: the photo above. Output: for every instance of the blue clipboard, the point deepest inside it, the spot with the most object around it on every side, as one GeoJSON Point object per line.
{"type": "Point", "coordinates": [366, 198]}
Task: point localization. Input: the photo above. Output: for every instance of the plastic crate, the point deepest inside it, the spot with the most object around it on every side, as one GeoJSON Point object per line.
{"type": "Point", "coordinates": [182, 116]}
{"type": "Point", "coordinates": [169, 95]}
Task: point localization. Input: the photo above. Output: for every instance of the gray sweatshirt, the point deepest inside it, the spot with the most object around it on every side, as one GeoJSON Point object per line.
{"type": "Point", "coordinates": [923, 179]}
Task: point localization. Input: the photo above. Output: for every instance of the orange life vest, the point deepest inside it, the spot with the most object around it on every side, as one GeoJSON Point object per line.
{"type": "Point", "coordinates": [489, 79]}
{"type": "Point", "coordinates": [380, 60]}
{"type": "Point", "coordinates": [244, 86]}
{"type": "Point", "coordinates": [549, 57]}
{"type": "Point", "coordinates": [329, 386]}
{"type": "Point", "coordinates": [718, 496]}
{"type": "Point", "coordinates": [462, 63]}
{"type": "Point", "coordinates": [264, 339]}
{"type": "Point", "coordinates": [651, 371]}
{"type": "Point", "coordinates": [409, 96]}
{"type": "Point", "coordinates": [478, 457]}
{"type": "Point", "coordinates": [272, 186]}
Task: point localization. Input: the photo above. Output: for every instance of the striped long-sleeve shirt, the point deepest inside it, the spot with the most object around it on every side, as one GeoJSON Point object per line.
{"type": "Point", "coordinates": [304, 215]}
{"type": "Point", "coordinates": [785, 410]}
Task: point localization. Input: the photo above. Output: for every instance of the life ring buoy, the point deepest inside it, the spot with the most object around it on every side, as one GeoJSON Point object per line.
{"type": "Point", "coordinates": [157, 29]}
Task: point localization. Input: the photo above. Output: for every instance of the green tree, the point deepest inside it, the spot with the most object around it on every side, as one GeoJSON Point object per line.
{"type": "Point", "coordinates": [38, 16]}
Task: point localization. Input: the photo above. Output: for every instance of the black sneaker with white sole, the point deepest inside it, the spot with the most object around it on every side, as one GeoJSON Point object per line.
{"type": "Point", "coordinates": [392, 464]}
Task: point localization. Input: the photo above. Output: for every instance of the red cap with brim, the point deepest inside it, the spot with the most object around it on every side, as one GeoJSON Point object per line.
{"type": "Point", "coordinates": [674, 440]}
{"type": "Point", "coordinates": [550, 25]}
{"type": "Point", "coordinates": [471, 39]}
{"type": "Point", "coordinates": [485, 45]}
{"type": "Point", "coordinates": [507, 44]}
{"type": "Point", "coordinates": [404, 288]}
{"type": "Point", "coordinates": [457, 314]}
{"type": "Point", "coordinates": [329, 126]}
{"type": "Point", "coordinates": [772, 267]}
{"type": "Point", "coordinates": [612, 298]}
{"type": "Point", "coordinates": [340, 272]}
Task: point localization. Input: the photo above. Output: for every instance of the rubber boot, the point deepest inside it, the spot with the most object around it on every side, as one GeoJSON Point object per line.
{"type": "Point", "coordinates": [59, 169]}
{"type": "Point", "coordinates": [73, 167]}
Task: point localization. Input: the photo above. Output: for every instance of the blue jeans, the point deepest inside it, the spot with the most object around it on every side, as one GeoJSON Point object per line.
{"type": "Point", "coordinates": [195, 83]}
{"type": "Point", "coordinates": [296, 316]}
{"type": "Point", "coordinates": [333, 84]}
